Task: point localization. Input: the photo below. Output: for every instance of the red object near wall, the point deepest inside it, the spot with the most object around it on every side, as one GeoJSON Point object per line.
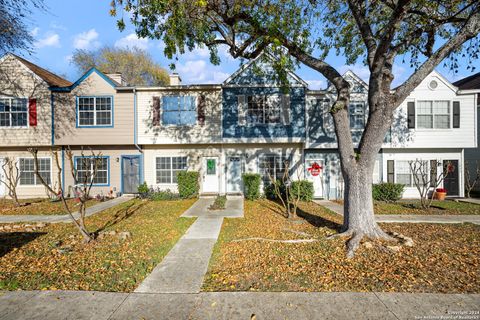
{"type": "Point", "coordinates": [32, 112]}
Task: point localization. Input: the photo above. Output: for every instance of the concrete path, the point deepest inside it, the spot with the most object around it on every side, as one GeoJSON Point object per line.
{"type": "Point", "coordinates": [64, 217]}
{"type": "Point", "coordinates": [53, 305]}
{"type": "Point", "coordinates": [184, 267]}
{"type": "Point", "coordinates": [407, 218]}
{"type": "Point", "coordinates": [469, 200]}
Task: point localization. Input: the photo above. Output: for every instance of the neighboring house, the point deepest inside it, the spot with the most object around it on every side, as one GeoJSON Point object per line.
{"type": "Point", "coordinates": [471, 85]}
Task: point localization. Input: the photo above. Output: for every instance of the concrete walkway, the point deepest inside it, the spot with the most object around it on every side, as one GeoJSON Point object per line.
{"type": "Point", "coordinates": [53, 305]}
{"type": "Point", "coordinates": [407, 218]}
{"type": "Point", "coordinates": [64, 217]}
{"type": "Point", "coordinates": [184, 267]}
{"type": "Point", "coordinates": [469, 200]}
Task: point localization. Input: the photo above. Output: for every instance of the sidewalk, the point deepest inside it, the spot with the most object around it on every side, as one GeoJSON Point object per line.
{"type": "Point", "coordinates": [53, 305]}
{"type": "Point", "coordinates": [64, 217]}
{"type": "Point", "coordinates": [184, 267]}
{"type": "Point", "coordinates": [405, 218]}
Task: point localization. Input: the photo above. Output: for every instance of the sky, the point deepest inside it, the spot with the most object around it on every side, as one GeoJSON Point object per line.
{"type": "Point", "coordinates": [68, 25]}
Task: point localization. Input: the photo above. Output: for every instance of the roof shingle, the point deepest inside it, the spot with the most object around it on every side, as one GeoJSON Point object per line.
{"type": "Point", "coordinates": [52, 79]}
{"type": "Point", "coordinates": [472, 82]}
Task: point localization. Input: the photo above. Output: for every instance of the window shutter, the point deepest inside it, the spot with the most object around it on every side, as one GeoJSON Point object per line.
{"type": "Point", "coordinates": [32, 112]}
{"type": "Point", "coordinates": [242, 110]}
{"type": "Point", "coordinates": [201, 109]}
{"type": "Point", "coordinates": [391, 171]}
{"type": "Point", "coordinates": [285, 116]}
{"type": "Point", "coordinates": [411, 114]}
{"type": "Point", "coordinates": [156, 111]}
{"type": "Point", "coordinates": [456, 114]}
{"type": "Point", "coordinates": [433, 173]}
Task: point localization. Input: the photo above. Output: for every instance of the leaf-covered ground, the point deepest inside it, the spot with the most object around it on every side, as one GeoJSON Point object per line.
{"type": "Point", "coordinates": [55, 258]}
{"type": "Point", "coordinates": [445, 258]}
{"type": "Point", "coordinates": [41, 206]}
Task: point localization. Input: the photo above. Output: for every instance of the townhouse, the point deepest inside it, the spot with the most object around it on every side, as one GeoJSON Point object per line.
{"type": "Point", "coordinates": [249, 123]}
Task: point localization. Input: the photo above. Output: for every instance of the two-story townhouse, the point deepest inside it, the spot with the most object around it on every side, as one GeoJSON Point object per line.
{"type": "Point", "coordinates": [26, 120]}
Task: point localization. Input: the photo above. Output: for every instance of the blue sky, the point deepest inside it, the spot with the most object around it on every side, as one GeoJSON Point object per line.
{"type": "Point", "coordinates": [86, 24]}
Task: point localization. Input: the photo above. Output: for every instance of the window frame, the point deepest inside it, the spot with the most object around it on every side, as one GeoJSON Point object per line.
{"type": "Point", "coordinates": [433, 114]}
{"type": "Point", "coordinates": [356, 114]}
{"type": "Point", "coordinates": [412, 181]}
{"type": "Point", "coordinates": [275, 155]}
{"type": "Point", "coordinates": [179, 110]}
{"type": "Point", "coordinates": [95, 125]}
{"type": "Point", "coordinates": [10, 113]}
{"type": "Point", "coordinates": [107, 184]}
{"type": "Point", "coordinates": [171, 170]}
{"type": "Point", "coordinates": [36, 183]}
{"type": "Point", "coordinates": [266, 100]}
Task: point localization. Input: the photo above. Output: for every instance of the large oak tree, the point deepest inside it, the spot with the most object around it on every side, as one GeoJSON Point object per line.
{"type": "Point", "coordinates": [376, 32]}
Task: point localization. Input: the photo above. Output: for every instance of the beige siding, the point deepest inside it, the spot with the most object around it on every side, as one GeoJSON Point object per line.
{"type": "Point", "coordinates": [66, 131]}
{"type": "Point", "coordinates": [210, 132]}
{"type": "Point", "coordinates": [18, 81]}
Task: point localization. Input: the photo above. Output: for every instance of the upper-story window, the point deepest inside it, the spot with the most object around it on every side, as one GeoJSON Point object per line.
{"type": "Point", "coordinates": [95, 111]}
{"type": "Point", "coordinates": [433, 114]}
{"type": "Point", "coordinates": [13, 112]}
{"type": "Point", "coordinates": [264, 109]}
{"type": "Point", "coordinates": [356, 111]}
{"type": "Point", "coordinates": [179, 110]}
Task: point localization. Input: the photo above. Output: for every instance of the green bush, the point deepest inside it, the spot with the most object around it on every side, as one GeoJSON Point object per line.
{"type": "Point", "coordinates": [302, 188]}
{"type": "Point", "coordinates": [143, 190]}
{"type": "Point", "coordinates": [269, 190]}
{"type": "Point", "coordinates": [188, 184]}
{"type": "Point", "coordinates": [160, 195]}
{"type": "Point", "coordinates": [251, 182]}
{"type": "Point", "coordinates": [388, 192]}
{"type": "Point", "coordinates": [219, 203]}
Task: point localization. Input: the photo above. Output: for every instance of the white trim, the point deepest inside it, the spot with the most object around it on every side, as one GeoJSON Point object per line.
{"type": "Point", "coordinates": [36, 184]}
{"type": "Point", "coordinates": [171, 183]}
{"type": "Point", "coordinates": [28, 113]}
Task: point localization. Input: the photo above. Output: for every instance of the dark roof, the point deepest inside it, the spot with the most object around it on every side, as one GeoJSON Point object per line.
{"type": "Point", "coordinates": [52, 79]}
{"type": "Point", "coordinates": [472, 82]}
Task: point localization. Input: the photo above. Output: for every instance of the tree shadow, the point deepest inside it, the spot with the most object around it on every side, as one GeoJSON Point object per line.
{"type": "Point", "coordinates": [12, 240]}
{"type": "Point", "coordinates": [318, 221]}
{"type": "Point", "coordinates": [120, 215]}
{"type": "Point", "coordinates": [275, 206]}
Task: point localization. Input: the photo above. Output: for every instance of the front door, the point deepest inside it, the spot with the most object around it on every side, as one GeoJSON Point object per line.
{"type": "Point", "coordinates": [234, 175]}
{"type": "Point", "coordinates": [210, 175]}
{"type": "Point", "coordinates": [450, 183]}
{"type": "Point", "coordinates": [315, 175]}
{"type": "Point", "coordinates": [130, 174]}
{"type": "Point", "coordinates": [2, 178]}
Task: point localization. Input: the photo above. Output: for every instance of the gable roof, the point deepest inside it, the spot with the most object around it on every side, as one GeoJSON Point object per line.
{"type": "Point", "coordinates": [50, 78]}
{"type": "Point", "coordinates": [109, 80]}
{"type": "Point", "coordinates": [468, 83]}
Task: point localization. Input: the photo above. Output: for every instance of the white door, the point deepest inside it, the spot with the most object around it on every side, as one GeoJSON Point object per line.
{"type": "Point", "coordinates": [234, 175]}
{"type": "Point", "coordinates": [315, 172]}
{"type": "Point", "coordinates": [210, 175]}
{"type": "Point", "coordinates": [2, 177]}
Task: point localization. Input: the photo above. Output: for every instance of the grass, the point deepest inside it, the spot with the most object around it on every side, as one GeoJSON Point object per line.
{"type": "Point", "coordinates": [219, 203]}
{"type": "Point", "coordinates": [445, 258]}
{"type": "Point", "coordinates": [41, 206]}
{"type": "Point", "coordinates": [55, 258]}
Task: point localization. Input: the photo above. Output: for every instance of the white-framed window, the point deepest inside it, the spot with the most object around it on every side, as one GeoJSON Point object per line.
{"type": "Point", "coordinates": [262, 109]}
{"type": "Point", "coordinates": [273, 165]}
{"type": "Point", "coordinates": [26, 166]}
{"type": "Point", "coordinates": [85, 169]}
{"type": "Point", "coordinates": [433, 114]}
{"type": "Point", "coordinates": [95, 111]}
{"type": "Point", "coordinates": [404, 174]}
{"type": "Point", "coordinates": [13, 112]}
{"type": "Point", "coordinates": [356, 112]}
{"type": "Point", "coordinates": [166, 168]}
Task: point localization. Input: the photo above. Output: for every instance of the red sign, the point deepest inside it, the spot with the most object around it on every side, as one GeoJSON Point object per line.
{"type": "Point", "coordinates": [315, 169]}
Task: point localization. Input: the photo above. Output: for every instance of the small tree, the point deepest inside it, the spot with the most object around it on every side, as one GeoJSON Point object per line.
{"type": "Point", "coordinates": [425, 178]}
{"type": "Point", "coordinates": [83, 184]}
{"type": "Point", "coordinates": [471, 181]}
{"type": "Point", "coordinates": [10, 178]}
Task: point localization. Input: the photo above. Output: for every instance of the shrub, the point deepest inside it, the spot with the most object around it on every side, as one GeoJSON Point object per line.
{"type": "Point", "coordinates": [143, 190]}
{"type": "Point", "coordinates": [219, 203]}
{"type": "Point", "coordinates": [251, 182]}
{"type": "Point", "coordinates": [160, 195]}
{"type": "Point", "coordinates": [389, 192]}
{"type": "Point", "coordinates": [188, 184]}
{"type": "Point", "coordinates": [302, 188]}
{"type": "Point", "coordinates": [269, 190]}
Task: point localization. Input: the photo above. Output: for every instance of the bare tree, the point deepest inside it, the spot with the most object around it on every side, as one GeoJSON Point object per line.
{"type": "Point", "coordinates": [471, 181]}
{"type": "Point", "coordinates": [10, 178]}
{"type": "Point", "coordinates": [426, 179]}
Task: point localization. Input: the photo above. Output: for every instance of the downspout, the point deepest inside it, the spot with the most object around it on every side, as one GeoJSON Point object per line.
{"type": "Point", "coordinates": [52, 112]}
{"type": "Point", "coordinates": [135, 137]}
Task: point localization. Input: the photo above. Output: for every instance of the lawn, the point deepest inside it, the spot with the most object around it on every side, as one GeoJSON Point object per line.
{"type": "Point", "coordinates": [55, 258]}
{"type": "Point", "coordinates": [41, 206]}
{"type": "Point", "coordinates": [445, 258]}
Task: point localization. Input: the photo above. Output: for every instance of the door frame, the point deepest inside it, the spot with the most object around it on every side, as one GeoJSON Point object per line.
{"type": "Point", "coordinates": [217, 173]}
{"type": "Point", "coordinates": [140, 168]}
{"type": "Point", "coordinates": [322, 175]}
{"type": "Point", "coordinates": [458, 172]}
{"type": "Point", "coordinates": [242, 170]}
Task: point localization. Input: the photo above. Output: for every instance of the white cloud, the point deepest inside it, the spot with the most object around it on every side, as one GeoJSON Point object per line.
{"type": "Point", "coordinates": [316, 84]}
{"type": "Point", "coordinates": [55, 25]}
{"type": "Point", "coordinates": [86, 40]}
{"type": "Point", "coordinates": [359, 69]}
{"type": "Point", "coordinates": [50, 40]}
{"type": "Point", "coordinates": [198, 53]}
{"type": "Point", "coordinates": [131, 41]}
{"type": "Point", "coordinates": [35, 31]}
{"type": "Point", "coordinates": [200, 71]}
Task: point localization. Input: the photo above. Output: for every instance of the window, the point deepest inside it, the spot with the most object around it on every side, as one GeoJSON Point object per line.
{"type": "Point", "coordinates": [167, 167]}
{"type": "Point", "coordinates": [95, 111]}
{"type": "Point", "coordinates": [85, 167]}
{"type": "Point", "coordinates": [433, 114]}
{"type": "Point", "coordinates": [264, 109]}
{"type": "Point", "coordinates": [27, 171]}
{"type": "Point", "coordinates": [179, 110]}
{"type": "Point", "coordinates": [356, 110]}
{"type": "Point", "coordinates": [13, 112]}
{"type": "Point", "coordinates": [404, 174]}
{"type": "Point", "coordinates": [274, 166]}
